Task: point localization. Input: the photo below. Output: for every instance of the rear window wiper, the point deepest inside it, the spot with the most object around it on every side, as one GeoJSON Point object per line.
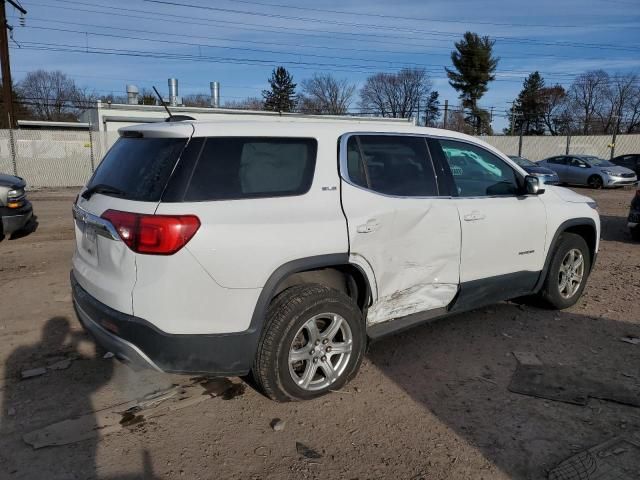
{"type": "Point", "coordinates": [101, 188]}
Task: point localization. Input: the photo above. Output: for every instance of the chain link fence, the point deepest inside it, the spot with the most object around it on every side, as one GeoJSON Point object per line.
{"type": "Point", "coordinates": [62, 158]}
{"type": "Point", "coordinates": [540, 147]}
{"type": "Point", "coordinates": [53, 158]}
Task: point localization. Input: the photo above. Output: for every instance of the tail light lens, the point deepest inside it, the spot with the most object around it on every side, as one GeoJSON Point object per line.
{"type": "Point", "coordinates": [153, 234]}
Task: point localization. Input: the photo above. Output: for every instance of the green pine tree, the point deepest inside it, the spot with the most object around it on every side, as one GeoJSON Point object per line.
{"type": "Point", "coordinates": [282, 96]}
{"type": "Point", "coordinates": [527, 113]}
{"type": "Point", "coordinates": [474, 67]}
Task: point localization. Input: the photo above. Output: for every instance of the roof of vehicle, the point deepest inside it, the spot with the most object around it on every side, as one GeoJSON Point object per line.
{"type": "Point", "coordinates": [296, 127]}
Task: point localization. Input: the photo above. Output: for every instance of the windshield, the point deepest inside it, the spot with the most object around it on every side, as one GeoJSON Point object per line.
{"type": "Point", "coordinates": [523, 162]}
{"type": "Point", "coordinates": [138, 168]}
{"type": "Point", "coordinates": [596, 161]}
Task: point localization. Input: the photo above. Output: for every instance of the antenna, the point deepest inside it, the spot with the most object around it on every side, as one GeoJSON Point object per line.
{"type": "Point", "coordinates": [162, 102]}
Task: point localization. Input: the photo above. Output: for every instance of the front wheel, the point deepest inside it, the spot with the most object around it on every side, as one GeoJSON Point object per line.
{"type": "Point", "coordinates": [595, 181]}
{"type": "Point", "coordinates": [568, 272]}
{"type": "Point", "coordinates": [313, 342]}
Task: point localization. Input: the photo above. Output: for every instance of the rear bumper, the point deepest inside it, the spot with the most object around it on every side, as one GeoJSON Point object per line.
{"type": "Point", "coordinates": [139, 343]}
{"type": "Point", "coordinates": [15, 219]}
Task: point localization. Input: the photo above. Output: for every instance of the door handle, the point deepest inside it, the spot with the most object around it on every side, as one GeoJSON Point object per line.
{"type": "Point", "coordinates": [474, 217]}
{"type": "Point", "coordinates": [368, 227]}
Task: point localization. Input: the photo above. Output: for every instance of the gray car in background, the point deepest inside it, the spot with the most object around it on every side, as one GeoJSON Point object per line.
{"type": "Point", "coordinates": [589, 170]}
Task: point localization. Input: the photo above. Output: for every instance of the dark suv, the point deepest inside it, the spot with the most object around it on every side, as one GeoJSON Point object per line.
{"type": "Point", "coordinates": [630, 161]}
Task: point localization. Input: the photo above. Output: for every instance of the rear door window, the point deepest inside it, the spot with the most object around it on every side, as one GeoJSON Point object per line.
{"type": "Point", "coordinates": [391, 164]}
{"type": "Point", "coordinates": [249, 167]}
{"type": "Point", "coordinates": [139, 167]}
{"type": "Point", "coordinates": [557, 160]}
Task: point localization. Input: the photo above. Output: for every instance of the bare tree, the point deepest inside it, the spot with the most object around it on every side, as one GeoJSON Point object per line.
{"type": "Point", "coordinates": [619, 99]}
{"type": "Point", "coordinates": [196, 100]}
{"type": "Point", "coordinates": [324, 94]}
{"type": "Point", "coordinates": [249, 103]}
{"type": "Point", "coordinates": [587, 94]}
{"type": "Point", "coordinates": [396, 95]}
{"type": "Point", "coordinates": [554, 103]}
{"type": "Point", "coordinates": [632, 116]}
{"type": "Point", "coordinates": [54, 95]}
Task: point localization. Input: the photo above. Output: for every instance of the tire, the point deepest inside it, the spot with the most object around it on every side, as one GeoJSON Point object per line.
{"type": "Point", "coordinates": [289, 319]}
{"type": "Point", "coordinates": [635, 233]}
{"type": "Point", "coordinates": [556, 293]}
{"type": "Point", "coordinates": [595, 181]}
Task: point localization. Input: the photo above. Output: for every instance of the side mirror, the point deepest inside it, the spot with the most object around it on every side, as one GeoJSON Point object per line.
{"type": "Point", "coordinates": [533, 185]}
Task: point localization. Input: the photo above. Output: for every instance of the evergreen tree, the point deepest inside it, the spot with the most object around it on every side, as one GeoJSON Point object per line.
{"type": "Point", "coordinates": [282, 96]}
{"type": "Point", "coordinates": [474, 65]}
{"type": "Point", "coordinates": [527, 114]}
{"type": "Point", "coordinates": [432, 110]}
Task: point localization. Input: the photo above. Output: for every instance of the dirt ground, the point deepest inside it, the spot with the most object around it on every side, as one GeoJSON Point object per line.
{"type": "Point", "coordinates": [431, 403]}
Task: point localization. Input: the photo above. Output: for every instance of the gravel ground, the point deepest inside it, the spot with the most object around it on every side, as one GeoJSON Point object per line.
{"type": "Point", "coordinates": [429, 403]}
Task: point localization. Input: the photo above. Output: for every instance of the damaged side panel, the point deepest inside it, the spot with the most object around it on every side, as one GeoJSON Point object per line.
{"type": "Point", "coordinates": [412, 245]}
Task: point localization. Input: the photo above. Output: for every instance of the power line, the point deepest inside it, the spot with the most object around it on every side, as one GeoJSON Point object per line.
{"type": "Point", "coordinates": [419, 19]}
{"type": "Point", "coordinates": [386, 27]}
{"type": "Point", "coordinates": [356, 36]}
{"type": "Point", "coordinates": [350, 68]}
{"type": "Point", "coordinates": [322, 47]}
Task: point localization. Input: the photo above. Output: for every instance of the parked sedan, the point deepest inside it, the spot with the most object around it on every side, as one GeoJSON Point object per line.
{"type": "Point", "coordinates": [15, 209]}
{"type": "Point", "coordinates": [632, 162]}
{"type": "Point", "coordinates": [634, 217]}
{"type": "Point", "coordinates": [546, 175]}
{"type": "Point", "coordinates": [589, 170]}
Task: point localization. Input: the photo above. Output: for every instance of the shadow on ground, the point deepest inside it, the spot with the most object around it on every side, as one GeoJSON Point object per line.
{"type": "Point", "coordinates": [63, 392]}
{"type": "Point", "coordinates": [459, 369]}
{"type": "Point", "coordinates": [615, 229]}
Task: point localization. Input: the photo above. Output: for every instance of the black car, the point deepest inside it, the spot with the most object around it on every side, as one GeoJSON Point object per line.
{"type": "Point", "coordinates": [634, 217]}
{"type": "Point", "coordinates": [630, 161]}
{"type": "Point", "coordinates": [15, 210]}
{"type": "Point", "coordinates": [547, 175]}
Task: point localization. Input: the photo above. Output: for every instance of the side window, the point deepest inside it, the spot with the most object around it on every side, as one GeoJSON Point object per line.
{"type": "Point", "coordinates": [558, 160]}
{"type": "Point", "coordinates": [575, 162]}
{"type": "Point", "coordinates": [392, 165]}
{"type": "Point", "coordinates": [249, 167]}
{"type": "Point", "coordinates": [478, 172]}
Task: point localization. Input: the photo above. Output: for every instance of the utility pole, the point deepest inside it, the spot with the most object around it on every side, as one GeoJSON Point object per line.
{"type": "Point", "coordinates": [7, 94]}
{"type": "Point", "coordinates": [446, 111]}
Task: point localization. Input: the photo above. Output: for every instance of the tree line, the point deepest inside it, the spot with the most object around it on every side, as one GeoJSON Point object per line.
{"type": "Point", "coordinates": [595, 103]}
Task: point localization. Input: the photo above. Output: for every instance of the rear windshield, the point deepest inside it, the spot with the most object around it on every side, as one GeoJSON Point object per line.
{"type": "Point", "coordinates": [139, 167]}
{"type": "Point", "coordinates": [249, 167]}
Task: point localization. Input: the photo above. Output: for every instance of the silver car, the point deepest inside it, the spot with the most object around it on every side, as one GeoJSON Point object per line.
{"type": "Point", "coordinates": [589, 170]}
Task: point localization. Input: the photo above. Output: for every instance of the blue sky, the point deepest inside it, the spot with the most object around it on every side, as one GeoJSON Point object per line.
{"type": "Point", "coordinates": [238, 42]}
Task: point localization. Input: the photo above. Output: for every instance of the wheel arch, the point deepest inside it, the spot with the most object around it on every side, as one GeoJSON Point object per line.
{"type": "Point", "coordinates": [332, 270]}
{"type": "Point", "coordinates": [584, 227]}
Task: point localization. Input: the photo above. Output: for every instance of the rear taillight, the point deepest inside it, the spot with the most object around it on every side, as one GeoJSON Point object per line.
{"type": "Point", "coordinates": [153, 234]}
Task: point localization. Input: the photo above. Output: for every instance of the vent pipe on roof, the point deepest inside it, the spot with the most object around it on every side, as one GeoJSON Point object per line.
{"type": "Point", "coordinates": [173, 92]}
{"type": "Point", "coordinates": [215, 94]}
{"type": "Point", "coordinates": [132, 95]}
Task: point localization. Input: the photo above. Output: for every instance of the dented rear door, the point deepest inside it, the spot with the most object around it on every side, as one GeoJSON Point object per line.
{"type": "Point", "coordinates": [398, 223]}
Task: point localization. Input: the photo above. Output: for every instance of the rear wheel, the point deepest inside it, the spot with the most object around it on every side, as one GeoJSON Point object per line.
{"type": "Point", "coordinates": [568, 272]}
{"type": "Point", "coordinates": [313, 342]}
{"type": "Point", "coordinates": [635, 233]}
{"type": "Point", "coordinates": [595, 181]}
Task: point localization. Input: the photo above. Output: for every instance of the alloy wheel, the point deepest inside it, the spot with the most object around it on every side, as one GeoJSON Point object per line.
{"type": "Point", "coordinates": [320, 351]}
{"type": "Point", "coordinates": [571, 273]}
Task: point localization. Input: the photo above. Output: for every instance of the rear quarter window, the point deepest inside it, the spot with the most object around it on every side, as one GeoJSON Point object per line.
{"type": "Point", "coordinates": [139, 167]}
{"type": "Point", "coordinates": [232, 168]}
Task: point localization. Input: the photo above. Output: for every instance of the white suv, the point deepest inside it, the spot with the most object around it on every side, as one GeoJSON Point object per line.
{"type": "Point", "coordinates": [280, 247]}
